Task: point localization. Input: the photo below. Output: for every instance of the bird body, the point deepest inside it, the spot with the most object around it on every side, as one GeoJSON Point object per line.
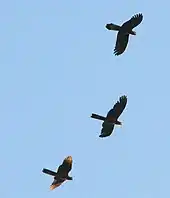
{"type": "Point", "coordinates": [62, 173]}
{"type": "Point", "coordinates": [111, 118]}
{"type": "Point", "coordinates": [124, 31]}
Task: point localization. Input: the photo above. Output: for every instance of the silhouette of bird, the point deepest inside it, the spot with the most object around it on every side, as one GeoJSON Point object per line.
{"type": "Point", "coordinates": [112, 117]}
{"type": "Point", "coordinates": [124, 31]}
{"type": "Point", "coordinates": [62, 173]}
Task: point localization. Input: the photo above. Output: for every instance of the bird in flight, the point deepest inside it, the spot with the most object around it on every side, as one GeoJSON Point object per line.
{"type": "Point", "coordinates": [62, 173]}
{"type": "Point", "coordinates": [124, 31]}
{"type": "Point", "coordinates": [112, 117]}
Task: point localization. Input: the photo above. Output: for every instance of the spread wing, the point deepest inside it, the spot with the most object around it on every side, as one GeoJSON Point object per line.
{"type": "Point", "coordinates": [121, 43]}
{"type": "Point", "coordinates": [117, 108]}
{"type": "Point", "coordinates": [133, 22]}
{"type": "Point", "coordinates": [49, 172]}
{"type": "Point", "coordinates": [65, 167]}
{"type": "Point", "coordinates": [56, 183]}
{"type": "Point", "coordinates": [107, 129]}
{"type": "Point", "coordinates": [98, 117]}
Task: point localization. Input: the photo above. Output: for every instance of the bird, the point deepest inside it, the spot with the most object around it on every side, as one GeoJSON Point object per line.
{"type": "Point", "coordinates": [112, 117]}
{"type": "Point", "coordinates": [62, 173]}
{"type": "Point", "coordinates": [124, 31]}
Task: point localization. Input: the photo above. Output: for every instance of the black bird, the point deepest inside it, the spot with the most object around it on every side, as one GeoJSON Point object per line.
{"type": "Point", "coordinates": [112, 117]}
{"type": "Point", "coordinates": [124, 31]}
{"type": "Point", "coordinates": [62, 173]}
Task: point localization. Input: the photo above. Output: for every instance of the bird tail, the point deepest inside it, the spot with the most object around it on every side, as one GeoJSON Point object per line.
{"type": "Point", "coordinates": [58, 182]}
{"type": "Point", "coordinates": [98, 117]}
{"type": "Point", "coordinates": [53, 186]}
{"type": "Point", "coordinates": [49, 172]}
{"type": "Point", "coordinates": [112, 26]}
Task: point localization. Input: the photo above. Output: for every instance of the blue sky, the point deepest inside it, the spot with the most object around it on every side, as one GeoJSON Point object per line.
{"type": "Point", "coordinates": [57, 67]}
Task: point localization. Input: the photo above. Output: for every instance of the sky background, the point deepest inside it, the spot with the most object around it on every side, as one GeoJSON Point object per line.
{"type": "Point", "coordinates": [57, 67]}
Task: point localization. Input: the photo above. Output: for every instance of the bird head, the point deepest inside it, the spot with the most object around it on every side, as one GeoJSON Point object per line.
{"type": "Point", "coordinates": [109, 26]}
{"type": "Point", "coordinates": [69, 159]}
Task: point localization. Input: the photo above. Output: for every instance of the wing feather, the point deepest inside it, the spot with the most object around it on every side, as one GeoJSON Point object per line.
{"type": "Point", "coordinates": [118, 108]}
{"type": "Point", "coordinates": [121, 43]}
{"type": "Point", "coordinates": [65, 167]}
{"type": "Point", "coordinates": [107, 129]}
{"type": "Point", "coordinates": [133, 22]}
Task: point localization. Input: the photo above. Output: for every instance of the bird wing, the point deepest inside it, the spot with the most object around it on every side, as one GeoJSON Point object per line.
{"type": "Point", "coordinates": [134, 21]}
{"type": "Point", "coordinates": [117, 109]}
{"type": "Point", "coordinates": [121, 43]}
{"type": "Point", "coordinates": [49, 172]}
{"type": "Point", "coordinates": [65, 167]}
{"type": "Point", "coordinates": [61, 171]}
{"type": "Point", "coordinates": [67, 163]}
{"type": "Point", "coordinates": [107, 129]}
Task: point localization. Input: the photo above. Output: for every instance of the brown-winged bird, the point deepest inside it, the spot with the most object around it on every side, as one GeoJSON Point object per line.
{"type": "Point", "coordinates": [124, 31]}
{"type": "Point", "coordinates": [62, 173]}
{"type": "Point", "coordinates": [112, 117]}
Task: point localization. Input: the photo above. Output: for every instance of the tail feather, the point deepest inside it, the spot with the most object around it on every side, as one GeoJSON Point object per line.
{"type": "Point", "coordinates": [57, 183]}
{"type": "Point", "coordinates": [49, 172]}
{"type": "Point", "coordinates": [53, 186]}
{"type": "Point", "coordinates": [98, 117]}
{"type": "Point", "coordinates": [112, 26]}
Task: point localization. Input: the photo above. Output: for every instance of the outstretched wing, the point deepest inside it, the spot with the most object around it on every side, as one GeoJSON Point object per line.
{"type": "Point", "coordinates": [65, 167]}
{"type": "Point", "coordinates": [98, 117]}
{"type": "Point", "coordinates": [121, 43]}
{"type": "Point", "coordinates": [49, 172]}
{"type": "Point", "coordinates": [107, 129]}
{"type": "Point", "coordinates": [133, 22]}
{"type": "Point", "coordinates": [117, 108]}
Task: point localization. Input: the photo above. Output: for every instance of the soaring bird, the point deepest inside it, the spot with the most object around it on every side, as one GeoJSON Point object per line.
{"type": "Point", "coordinates": [124, 31]}
{"type": "Point", "coordinates": [62, 173]}
{"type": "Point", "coordinates": [112, 117]}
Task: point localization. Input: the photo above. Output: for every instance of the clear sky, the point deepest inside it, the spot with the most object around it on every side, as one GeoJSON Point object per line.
{"type": "Point", "coordinates": [57, 67]}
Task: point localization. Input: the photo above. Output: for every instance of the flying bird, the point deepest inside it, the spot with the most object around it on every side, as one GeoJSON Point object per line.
{"type": "Point", "coordinates": [124, 31]}
{"type": "Point", "coordinates": [112, 117]}
{"type": "Point", "coordinates": [62, 173]}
